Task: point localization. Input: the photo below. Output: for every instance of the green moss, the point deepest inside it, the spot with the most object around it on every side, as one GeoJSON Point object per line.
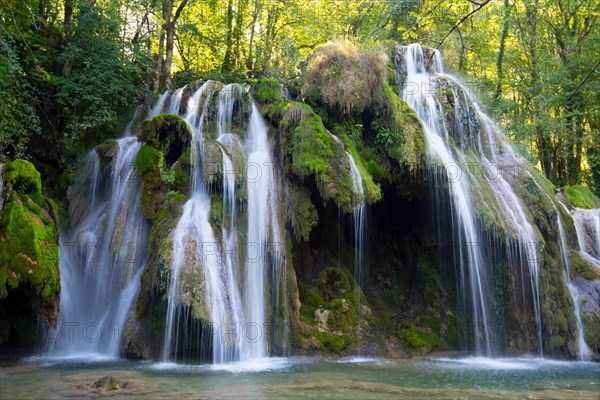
{"type": "Point", "coordinates": [334, 343]}
{"type": "Point", "coordinates": [310, 300]}
{"type": "Point", "coordinates": [419, 341]}
{"type": "Point", "coordinates": [399, 131]}
{"type": "Point", "coordinates": [147, 159]}
{"type": "Point", "coordinates": [29, 237]}
{"type": "Point", "coordinates": [581, 196]}
{"type": "Point", "coordinates": [303, 215]}
{"type": "Point", "coordinates": [372, 190]}
{"type": "Point", "coordinates": [267, 91]}
{"type": "Point", "coordinates": [168, 133]}
{"type": "Point", "coordinates": [334, 283]}
{"type": "Point", "coordinates": [108, 149]}
{"type": "Point", "coordinates": [149, 164]}
{"type": "Point", "coordinates": [591, 323]}
{"type": "Point", "coordinates": [107, 383]}
{"type": "Point", "coordinates": [316, 153]}
{"type": "Point", "coordinates": [580, 266]}
{"type": "Point", "coordinates": [343, 315]}
{"type": "Point", "coordinates": [21, 177]}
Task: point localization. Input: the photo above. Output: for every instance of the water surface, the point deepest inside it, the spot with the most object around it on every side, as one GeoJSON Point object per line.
{"type": "Point", "coordinates": [304, 378]}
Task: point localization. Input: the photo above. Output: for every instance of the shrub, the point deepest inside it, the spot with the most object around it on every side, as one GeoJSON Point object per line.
{"type": "Point", "coordinates": [344, 78]}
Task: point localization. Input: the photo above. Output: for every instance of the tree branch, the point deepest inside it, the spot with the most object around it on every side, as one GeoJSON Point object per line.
{"type": "Point", "coordinates": [463, 19]}
{"type": "Point", "coordinates": [583, 81]}
{"type": "Point", "coordinates": [179, 10]}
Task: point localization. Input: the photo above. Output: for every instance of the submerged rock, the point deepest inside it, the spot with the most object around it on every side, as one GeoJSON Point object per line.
{"type": "Point", "coordinates": [107, 383]}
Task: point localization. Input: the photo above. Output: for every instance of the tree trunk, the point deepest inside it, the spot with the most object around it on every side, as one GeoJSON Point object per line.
{"type": "Point", "coordinates": [68, 19]}
{"type": "Point", "coordinates": [500, 59]}
{"type": "Point", "coordinates": [170, 36]}
{"type": "Point", "coordinates": [228, 38]}
{"type": "Point", "coordinates": [250, 61]}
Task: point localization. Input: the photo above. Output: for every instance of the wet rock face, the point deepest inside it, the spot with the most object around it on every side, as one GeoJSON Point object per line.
{"type": "Point", "coordinates": [400, 67]}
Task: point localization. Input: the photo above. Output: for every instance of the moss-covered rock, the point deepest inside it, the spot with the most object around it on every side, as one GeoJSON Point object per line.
{"type": "Point", "coordinates": [107, 151]}
{"type": "Point", "coordinates": [168, 133]}
{"type": "Point", "coordinates": [581, 266]}
{"type": "Point", "coordinates": [331, 307]}
{"type": "Point", "coordinates": [581, 196]}
{"type": "Point", "coordinates": [418, 341]}
{"type": "Point", "coordinates": [399, 131]}
{"type": "Point", "coordinates": [143, 334]}
{"type": "Point", "coordinates": [267, 91]}
{"type": "Point", "coordinates": [149, 163]}
{"type": "Point", "coordinates": [21, 177]}
{"type": "Point", "coordinates": [591, 323]}
{"type": "Point", "coordinates": [316, 153]}
{"type": "Point", "coordinates": [303, 214]}
{"type": "Point", "coordinates": [29, 241]}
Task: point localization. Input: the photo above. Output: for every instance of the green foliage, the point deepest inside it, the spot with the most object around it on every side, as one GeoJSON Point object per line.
{"type": "Point", "coordinates": [18, 120]}
{"type": "Point", "coordinates": [96, 83]}
{"type": "Point", "coordinates": [182, 78]}
{"type": "Point", "coordinates": [581, 196]}
{"type": "Point", "coordinates": [344, 78]}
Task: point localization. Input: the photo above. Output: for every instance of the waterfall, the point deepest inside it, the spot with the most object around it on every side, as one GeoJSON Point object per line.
{"type": "Point", "coordinates": [358, 220]}
{"type": "Point", "coordinates": [175, 101]}
{"type": "Point", "coordinates": [503, 159]}
{"type": "Point", "coordinates": [358, 217]}
{"type": "Point", "coordinates": [235, 289]}
{"type": "Point", "coordinates": [160, 104]}
{"type": "Point", "coordinates": [457, 140]}
{"type": "Point", "coordinates": [101, 258]}
{"type": "Point", "coordinates": [428, 109]}
{"type": "Point", "coordinates": [260, 181]}
{"type": "Point", "coordinates": [584, 350]}
{"type": "Point", "coordinates": [194, 243]}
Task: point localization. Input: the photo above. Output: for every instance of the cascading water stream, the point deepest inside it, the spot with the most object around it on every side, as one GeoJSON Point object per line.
{"type": "Point", "coordinates": [101, 260]}
{"type": "Point", "coordinates": [175, 101]}
{"type": "Point", "coordinates": [503, 158]}
{"type": "Point", "coordinates": [160, 104]}
{"type": "Point", "coordinates": [194, 243]}
{"type": "Point", "coordinates": [418, 96]}
{"type": "Point", "coordinates": [260, 181]}
{"type": "Point", "coordinates": [584, 349]}
{"type": "Point", "coordinates": [511, 205]}
{"type": "Point", "coordinates": [358, 219]}
{"type": "Point", "coordinates": [235, 301]}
